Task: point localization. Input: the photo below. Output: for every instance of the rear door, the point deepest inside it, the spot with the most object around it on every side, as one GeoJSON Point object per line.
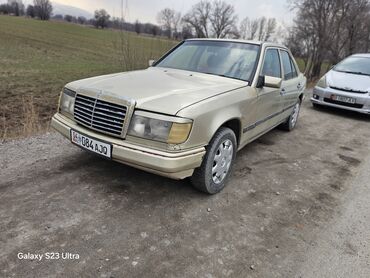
{"type": "Point", "coordinates": [291, 82]}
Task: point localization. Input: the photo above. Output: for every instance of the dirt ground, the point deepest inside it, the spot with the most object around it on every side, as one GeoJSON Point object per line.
{"type": "Point", "coordinates": [287, 193]}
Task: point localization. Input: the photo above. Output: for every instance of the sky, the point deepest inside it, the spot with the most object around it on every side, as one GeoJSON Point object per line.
{"type": "Point", "coordinates": [146, 10]}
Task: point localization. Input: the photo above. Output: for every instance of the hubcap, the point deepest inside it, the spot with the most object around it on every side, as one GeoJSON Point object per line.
{"type": "Point", "coordinates": [222, 161]}
{"type": "Point", "coordinates": [295, 114]}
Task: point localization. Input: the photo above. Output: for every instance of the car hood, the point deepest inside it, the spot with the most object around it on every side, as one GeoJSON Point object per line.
{"type": "Point", "coordinates": [348, 81]}
{"type": "Point", "coordinates": [159, 89]}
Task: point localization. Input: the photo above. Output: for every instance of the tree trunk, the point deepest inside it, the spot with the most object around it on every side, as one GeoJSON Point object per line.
{"type": "Point", "coordinates": [316, 70]}
{"type": "Point", "coordinates": [316, 64]}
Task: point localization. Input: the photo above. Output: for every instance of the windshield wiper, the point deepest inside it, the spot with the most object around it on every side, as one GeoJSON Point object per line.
{"type": "Point", "coordinates": [223, 75]}
{"type": "Point", "coordinates": [354, 72]}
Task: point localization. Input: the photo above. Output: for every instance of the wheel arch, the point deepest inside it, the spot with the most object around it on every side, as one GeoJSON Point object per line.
{"type": "Point", "coordinates": [235, 125]}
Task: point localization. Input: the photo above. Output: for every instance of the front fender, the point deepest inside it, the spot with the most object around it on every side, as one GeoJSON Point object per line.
{"type": "Point", "coordinates": [209, 115]}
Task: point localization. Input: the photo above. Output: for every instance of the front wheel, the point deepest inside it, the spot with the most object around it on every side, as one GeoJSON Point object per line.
{"type": "Point", "coordinates": [292, 120]}
{"type": "Point", "coordinates": [211, 177]}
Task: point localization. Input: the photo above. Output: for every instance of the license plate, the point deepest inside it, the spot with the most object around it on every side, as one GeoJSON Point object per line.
{"type": "Point", "coordinates": [91, 144]}
{"type": "Point", "coordinates": [344, 99]}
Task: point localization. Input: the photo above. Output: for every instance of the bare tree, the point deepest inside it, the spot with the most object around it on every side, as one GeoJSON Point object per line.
{"type": "Point", "coordinates": [212, 19]}
{"type": "Point", "coordinates": [254, 28]}
{"type": "Point", "coordinates": [356, 26]}
{"type": "Point", "coordinates": [244, 29]}
{"type": "Point", "coordinates": [223, 19]}
{"type": "Point", "coordinates": [329, 30]}
{"type": "Point", "coordinates": [176, 24]}
{"type": "Point", "coordinates": [248, 29]}
{"type": "Point", "coordinates": [257, 29]}
{"type": "Point", "coordinates": [154, 30]}
{"type": "Point", "coordinates": [186, 32]}
{"type": "Point", "coordinates": [16, 7]}
{"type": "Point", "coordinates": [137, 27]}
{"type": "Point", "coordinates": [30, 11]}
{"type": "Point", "coordinates": [199, 18]}
{"type": "Point", "coordinates": [101, 18]}
{"type": "Point", "coordinates": [166, 18]}
{"type": "Point", "coordinates": [68, 18]}
{"type": "Point", "coordinates": [81, 20]}
{"type": "Point", "coordinates": [43, 9]}
{"type": "Point", "coordinates": [261, 28]}
{"type": "Point", "coordinates": [270, 29]}
{"type": "Point", "coordinates": [312, 24]}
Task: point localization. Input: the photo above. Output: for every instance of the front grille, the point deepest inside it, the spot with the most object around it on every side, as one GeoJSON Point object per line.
{"type": "Point", "coordinates": [100, 115]}
{"type": "Point", "coordinates": [349, 90]}
{"type": "Point", "coordinates": [353, 105]}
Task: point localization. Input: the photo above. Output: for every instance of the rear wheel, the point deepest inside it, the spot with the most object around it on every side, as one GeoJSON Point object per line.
{"type": "Point", "coordinates": [211, 177]}
{"type": "Point", "coordinates": [291, 122]}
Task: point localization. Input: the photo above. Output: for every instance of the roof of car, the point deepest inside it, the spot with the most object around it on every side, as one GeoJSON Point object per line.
{"type": "Point", "coordinates": [239, 41]}
{"type": "Point", "coordinates": [362, 55]}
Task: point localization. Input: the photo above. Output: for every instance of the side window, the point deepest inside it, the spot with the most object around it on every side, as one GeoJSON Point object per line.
{"type": "Point", "coordinates": [288, 66]}
{"type": "Point", "coordinates": [271, 64]}
{"type": "Point", "coordinates": [295, 74]}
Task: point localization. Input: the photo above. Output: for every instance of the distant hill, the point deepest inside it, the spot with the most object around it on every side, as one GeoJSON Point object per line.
{"type": "Point", "coordinates": [70, 10]}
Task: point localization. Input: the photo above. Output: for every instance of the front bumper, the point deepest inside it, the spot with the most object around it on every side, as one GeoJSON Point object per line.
{"type": "Point", "coordinates": [320, 95]}
{"type": "Point", "coordinates": [175, 165]}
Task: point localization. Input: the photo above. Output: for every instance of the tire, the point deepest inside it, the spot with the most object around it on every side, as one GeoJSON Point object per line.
{"type": "Point", "coordinates": [292, 120]}
{"type": "Point", "coordinates": [207, 178]}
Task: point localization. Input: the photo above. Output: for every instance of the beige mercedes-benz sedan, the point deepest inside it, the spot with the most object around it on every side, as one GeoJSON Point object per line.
{"type": "Point", "coordinates": [189, 113]}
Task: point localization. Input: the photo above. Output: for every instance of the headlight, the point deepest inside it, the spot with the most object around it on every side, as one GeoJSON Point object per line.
{"type": "Point", "coordinates": [160, 128]}
{"type": "Point", "coordinates": [67, 102]}
{"type": "Point", "coordinates": [322, 82]}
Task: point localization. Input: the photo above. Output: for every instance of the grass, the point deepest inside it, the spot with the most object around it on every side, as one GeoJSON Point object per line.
{"type": "Point", "coordinates": [324, 67]}
{"type": "Point", "coordinates": [37, 58]}
{"type": "Point", "coordinates": [300, 63]}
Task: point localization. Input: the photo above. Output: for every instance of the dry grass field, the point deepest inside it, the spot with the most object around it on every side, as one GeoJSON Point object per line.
{"type": "Point", "coordinates": [37, 58]}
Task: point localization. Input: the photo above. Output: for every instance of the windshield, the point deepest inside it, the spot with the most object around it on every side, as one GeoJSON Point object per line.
{"type": "Point", "coordinates": [357, 65]}
{"type": "Point", "coordinates": [228, 59]}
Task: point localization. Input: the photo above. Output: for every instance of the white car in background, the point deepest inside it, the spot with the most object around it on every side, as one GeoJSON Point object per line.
{"type": "Point", "coordinates": [346, 86]}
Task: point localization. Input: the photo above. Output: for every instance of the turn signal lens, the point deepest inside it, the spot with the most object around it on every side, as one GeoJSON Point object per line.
{"type": "Point", "coordinates": [179, 133]}
{"type": "Point", "coordinates": [67, 102]}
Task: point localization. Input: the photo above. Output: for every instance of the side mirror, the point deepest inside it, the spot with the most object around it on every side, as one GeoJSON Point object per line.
{"type": "Point", "coordinates": [273, 82]}
{"type": "Point", "coordinates": [151, 62]}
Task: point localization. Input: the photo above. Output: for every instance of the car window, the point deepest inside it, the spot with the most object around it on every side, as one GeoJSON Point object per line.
{"type": "Point", "coordinates": [182, 58]}
{"type": "Point", "coordinates": [288, 66]}
{"type": "Point", "coordinates": [295, 74]}
{"type": "Point", "coordinates": [271, 64]}
{"type": "Point", "coordinates": [356, 65]}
